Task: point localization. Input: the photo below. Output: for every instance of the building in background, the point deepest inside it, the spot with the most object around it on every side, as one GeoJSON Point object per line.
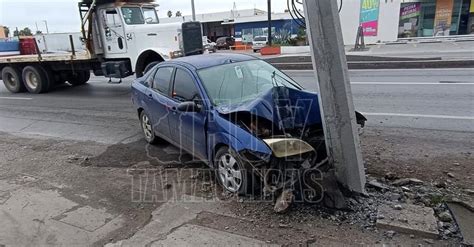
{"type": "Point", "coordinates": [428, 18]}
{"type": "Point", "coordinates": [214, 23]}
{"type": "Point", "coordinates": [381, 20]}
{"type": "Point", "coordinates": [249, 27]}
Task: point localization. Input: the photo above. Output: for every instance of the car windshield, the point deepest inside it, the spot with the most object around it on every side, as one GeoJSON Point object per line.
{"type": "Point", "coordinates": [260, 39]}
{"type": "Point", "coordinates": [243, 81]}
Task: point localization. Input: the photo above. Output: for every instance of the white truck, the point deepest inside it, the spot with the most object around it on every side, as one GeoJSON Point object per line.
{"type": "Point", "coordinates": [121, 38]}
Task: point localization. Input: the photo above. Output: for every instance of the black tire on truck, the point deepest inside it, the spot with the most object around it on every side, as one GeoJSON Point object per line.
{"type": "Point", "coordinates": [150, 66]}
{"type": "Point", "coordinates": [80, 77]}
{"type": "Point", "coordinates": [36, 79]}
{"type": "Point", "coordinates": [11, 76]}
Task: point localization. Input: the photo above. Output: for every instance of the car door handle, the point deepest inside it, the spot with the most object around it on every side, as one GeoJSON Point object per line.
{"type": "Point", "coordinates": [152, 34]}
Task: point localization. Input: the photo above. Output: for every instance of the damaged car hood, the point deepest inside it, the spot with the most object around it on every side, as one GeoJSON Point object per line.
{"type": "Point", "coordinates": [286, 107]}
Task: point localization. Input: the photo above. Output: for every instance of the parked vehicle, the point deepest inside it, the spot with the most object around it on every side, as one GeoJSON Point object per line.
{"type": "Point", "coordinates": [121, 38]}
{"type": "Point", "coordinates": [238, 114]}
{"type": "Point", "coordinates": [208, 44]}
{"type": "Point", "coordinates": [259, 42]}
{"type": "Point", "coordinates": [225, 43]}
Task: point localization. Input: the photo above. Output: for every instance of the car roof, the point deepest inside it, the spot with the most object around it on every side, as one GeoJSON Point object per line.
{"type": "Point", "coordinates": [210, 60]}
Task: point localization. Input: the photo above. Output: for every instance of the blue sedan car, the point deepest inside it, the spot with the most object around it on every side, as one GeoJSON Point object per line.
{"type": "Point", "coordinates": [238, 114]}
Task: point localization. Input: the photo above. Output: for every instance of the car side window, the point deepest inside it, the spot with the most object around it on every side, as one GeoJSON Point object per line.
{"type": "Point", "coordinates": [184, 87]}
{"type": "Point", "coordinates": [162, 79]}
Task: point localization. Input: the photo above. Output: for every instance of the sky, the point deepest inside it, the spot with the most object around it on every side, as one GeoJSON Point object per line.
{"type": "Point", "coordinates": [63, 15]}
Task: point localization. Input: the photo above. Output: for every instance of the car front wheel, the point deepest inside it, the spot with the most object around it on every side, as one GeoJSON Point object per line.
{"type": "Point", "coordinates": [230, 171]}
{"type": "Point", "coordinates": [147, 128]}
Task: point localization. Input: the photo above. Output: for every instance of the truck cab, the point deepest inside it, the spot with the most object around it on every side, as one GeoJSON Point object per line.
{"type": "Point", "coordinates": [129, 37]}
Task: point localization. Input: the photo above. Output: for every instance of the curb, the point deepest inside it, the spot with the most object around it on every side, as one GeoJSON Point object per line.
{"type": "Point", "coordinates": [353, 65]}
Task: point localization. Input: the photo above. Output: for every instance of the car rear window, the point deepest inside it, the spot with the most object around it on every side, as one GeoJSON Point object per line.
{"type": "Point", "coordinates": [260, 39]}
{"type": "Point", "coordinates": [161, 82]}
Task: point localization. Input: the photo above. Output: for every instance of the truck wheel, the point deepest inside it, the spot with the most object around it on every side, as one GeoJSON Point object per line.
{"type": "Point", "coordinates": [80, 78]}
{"type": "Point", "coordinates": [36, 79]}
{"type": "Point", "coordinates": [12, 79]}
{"type": "Point", "coordinates": [150, 66]}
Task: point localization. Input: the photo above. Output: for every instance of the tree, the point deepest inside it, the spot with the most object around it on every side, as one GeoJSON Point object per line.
{"type": "Point", "coordinates": [25, 32]}
{"type": "Point", "coordinates": [170, 13]}
{"type": "Point", "coordinates": [178, 13]}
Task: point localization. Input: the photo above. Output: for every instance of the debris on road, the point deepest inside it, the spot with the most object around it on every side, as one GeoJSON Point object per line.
{"type": "Point", "coordinates": [377, 185]}
{"type": "Point", "coordinates": [445, 216]}
{"type": "Point", "coordinates": [407, 181]}
{"type": "Point", "coordinates": [409, 219]}
{"type": "Point", "coordinates": [283, 202]}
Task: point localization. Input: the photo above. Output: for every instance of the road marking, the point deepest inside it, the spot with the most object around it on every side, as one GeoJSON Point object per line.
{"type": "Point", "coordinates": [420, 116]}
{"type": "Point", "coordinates": [384, 70]}
{"type": "Point", "coordinates": [412, 83]}
{"type": "Point", "coordinates": [20, 98]}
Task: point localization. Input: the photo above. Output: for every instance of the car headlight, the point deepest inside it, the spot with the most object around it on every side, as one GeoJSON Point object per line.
{"type": "Point", "coordinates": [285, 147]}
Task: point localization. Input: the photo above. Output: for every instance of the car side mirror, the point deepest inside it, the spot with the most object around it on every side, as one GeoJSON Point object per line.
{"type": "Point", "coordinates": [189, 106]}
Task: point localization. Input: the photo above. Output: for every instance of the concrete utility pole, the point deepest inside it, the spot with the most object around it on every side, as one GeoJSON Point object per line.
{"type": "Point", "coordinates": [330, 64]}
{"type": "Point", "coordinates": [46, 24]}
{"type": "Point", "coordinates": [269, 3]}
{"type": "Point", "coordinates": [194, 10]}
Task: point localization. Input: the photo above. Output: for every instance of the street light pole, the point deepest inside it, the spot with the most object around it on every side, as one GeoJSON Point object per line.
{"type": "Point", "coordinates": [269, 3]}
{"type": "Point", "coordinates": [46, 23]}
{"type": "Point", "coordinates": [330, 65]}
{"type": "Point", "coordinates": [193, 10]}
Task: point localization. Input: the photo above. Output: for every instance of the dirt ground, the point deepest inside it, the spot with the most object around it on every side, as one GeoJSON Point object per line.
{"type": "Point", "coordinates": [99, 175]}
{"type": "Point", "coordinates": [409, 153]}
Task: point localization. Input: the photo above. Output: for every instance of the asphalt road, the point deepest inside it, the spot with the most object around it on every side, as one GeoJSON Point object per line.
{"type": "Point", "coordinates": [415, 99]}
{"type": "Point", "coordinates": [440, 99]}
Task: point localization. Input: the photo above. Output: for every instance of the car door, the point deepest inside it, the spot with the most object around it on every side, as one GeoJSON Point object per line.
{"type": "Point", "coordinates": [188, 128]}
{"type": "Point", "coordinates": [159, 101]}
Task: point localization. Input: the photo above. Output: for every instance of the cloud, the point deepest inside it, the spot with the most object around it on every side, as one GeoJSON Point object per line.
{"type": "Point", "coordinates": [63, 15]}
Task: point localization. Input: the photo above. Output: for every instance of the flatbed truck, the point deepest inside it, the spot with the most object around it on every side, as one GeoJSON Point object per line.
{"type": "Point", "coordinates": [121, 38]}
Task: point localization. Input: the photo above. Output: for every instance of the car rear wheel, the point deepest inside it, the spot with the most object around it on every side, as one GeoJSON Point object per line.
{"type": "Point", "coordinates": [11, 77]}
{"type": "Point", "coordinates": [147, 128]}
{"type": "Point", "coordinates": [230, 171]}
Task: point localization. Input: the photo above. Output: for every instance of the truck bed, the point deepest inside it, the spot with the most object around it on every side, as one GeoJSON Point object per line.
{"type": "Point", "coordinates": [48, 57]}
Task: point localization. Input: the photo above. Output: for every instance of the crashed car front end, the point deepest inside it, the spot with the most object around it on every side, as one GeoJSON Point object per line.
{"type": "Point", "coordinates": [288, 122]}
{"type": "Point", "coordinates": [271, 124]}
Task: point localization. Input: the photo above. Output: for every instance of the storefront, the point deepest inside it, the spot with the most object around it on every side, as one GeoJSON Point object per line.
{"type": "Point", "coordinates": [428, 18]}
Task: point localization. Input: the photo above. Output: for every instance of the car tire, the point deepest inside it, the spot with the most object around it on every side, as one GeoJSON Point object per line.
{"type": "Point", "coordinates": [147, 128]}
{"type": "Point", "coordinates": [12, 78]}
{"type": "Point", "coordinates": [231, 173]}
{"type": "Point", "coordinates": [255, 51]}
{"type": "Point", "coordinates": [79, 78]}
{"type": "Point", "coordinates": [36, 79]}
